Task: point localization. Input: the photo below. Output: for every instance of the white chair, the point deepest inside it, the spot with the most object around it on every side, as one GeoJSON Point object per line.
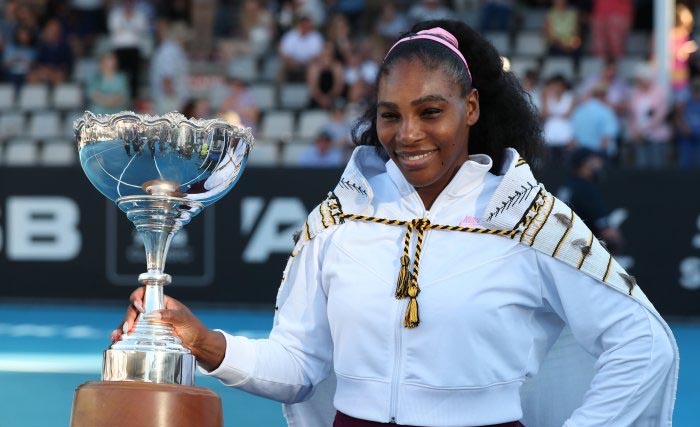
{"type": "Point", "coordinates": [628, 66]}
{"type": "Point", "coordinates": [243, 67]}
{"type": "Point", "coordinates": [67, 96]}
{"type": "Point", "coordinates": [277, 125]}
{"type": "Point", "coordinates": [21, 152]}
{"type": "Point", "coordinates": [293, 153]}
{"type": "Point", "coordinates": [589, 66]}
{"type": "Point", "coordinates": [559, 65]}
{"type": "Point", "coordinates": [7, 97]}
{"type": "Point", "coordinates": [45, 124]}
{"type": "Point", "coordinates": [530, 44]}
{"type": "Point", "coordinates": [271, 68]}
{"type": "Point", "coordinates": [533, 19]}
{"type": "Point", "coordinates": [294, 96]}
{"type": "Point", "coordinates": [499, 40]}
{"type": "Point", "coordinates": [264, 95]}
{"type": "Point", "coordinates": [519, 66]}
{"type": "Point", "coordinates": [58, 153]}
{"type": "Point", "coordinates": [265, 153]}
{"type": "Point", "coordinates": [33, 97]}
{"type": "Point", "coordinates": [311, 122]}
{"type": "Point", "coordinates": [85, 69]}
{"type": "Point", "coordinates": [12, 124]}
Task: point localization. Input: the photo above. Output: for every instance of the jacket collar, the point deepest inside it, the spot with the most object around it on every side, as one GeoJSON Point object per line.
{"type": "Point", "coordinates": [514, 194]}
{"type": "Point", "coordinates": [470, 175]}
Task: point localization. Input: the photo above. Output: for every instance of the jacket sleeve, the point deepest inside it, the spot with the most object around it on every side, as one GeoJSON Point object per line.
{"type": "Point", "coordinates": [298, 353]}
{"type": "Point", "coordinates": [633, 351]}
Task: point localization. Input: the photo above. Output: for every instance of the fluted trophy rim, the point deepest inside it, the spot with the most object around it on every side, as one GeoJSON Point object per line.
{"type": "Point", "coordinates": [172, 118]}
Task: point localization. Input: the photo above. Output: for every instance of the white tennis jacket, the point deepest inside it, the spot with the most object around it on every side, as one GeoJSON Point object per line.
{"type": "Point", "coordinates": [543, 326]}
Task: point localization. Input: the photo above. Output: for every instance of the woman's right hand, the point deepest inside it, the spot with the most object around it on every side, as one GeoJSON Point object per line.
{"type": "Point", "coordinates": [209, 347]}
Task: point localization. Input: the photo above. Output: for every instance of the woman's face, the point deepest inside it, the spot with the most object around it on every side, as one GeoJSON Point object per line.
{"type": "Point", "coordinates": [423, 124]}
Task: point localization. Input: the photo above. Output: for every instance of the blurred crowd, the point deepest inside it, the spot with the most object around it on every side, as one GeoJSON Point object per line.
{"type": "Point", "coordinates": [313, 63]}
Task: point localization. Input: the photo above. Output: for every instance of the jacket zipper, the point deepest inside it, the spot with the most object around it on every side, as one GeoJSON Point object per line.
{"type": "Point", "coordinates": [398, 350]}
{"type": "Point", "coordinates": [397, 363]}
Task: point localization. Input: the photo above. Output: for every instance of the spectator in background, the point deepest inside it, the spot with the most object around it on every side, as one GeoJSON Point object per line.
{"type": "Point", "coordinates": [556, 107]}
{"type": "Point", "coordinates": [322, 154]}
{"type": "Point", "coordinates": [298, 47]}
{"type": "Point", "coordinates": [561, 28]}
{"type": "Point", "coordinates": [18, 56]}
{"type": "Point", "coordinates": [241, 102]}
{"type": "Point", "coordinates": [27, 18]}
{"type": "Point", "coordinates": [339, 127]}
{"type": "Point", "coordinates": [88, 22]}
{"type": "Point", "coordinates": [54, 59]}
{"type": "Point", "coordinates": [203, 13]}
{"type": "Point", "coordinates": [496, 15]}
{"type": "Point", "coordinates": [582, 192]}
{"type": "Point", "coordinates": [314, 9]}
{"type": "Point", "coordinates": [681, 47]}
{"type": "Point", "coordinates": [324, 78]}
{"type": "Point", "coordinates": [611, 22]}
{"type": "Point", "coordinates": [617, 88]}
{"type": "Point", "coordinates": [128, 31]}
{"type": "Point", "coordinates": [426, 10]}
{"type": "Point", "coordinates": [648, 133]}
{"type": "Point", "coordinates": [257, 28]}
{"type": "Point", "coordinates": [687, 123]}
{"type": "Point", "coordinates": [594, 124]}
{"type": "Point", "coordinates": [108, 91]}
{"type": "Point", "coordinates": [169, 70]}
{"type": "Point", "coordinates": [199, 108]}
{"type": "Point", "coordinates": [391, 23]}
{"type": "Point", "coordinates": [338, 34]}
{"type": "Point", "coordinates": [9, 23]}
{"type": "Point", "coordinates": [361, 72]}
{"type": "Point", "coordinates": [351, 9]}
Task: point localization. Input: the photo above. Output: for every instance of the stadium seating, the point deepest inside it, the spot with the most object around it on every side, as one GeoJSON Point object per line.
{"type": "Point", "coordinates": [264, 95]}
{"type": "Point", "coordinates": [294, 96]}
{"type": "Point", "coordinates": [21, 152]}
{"type": "Point", "coordinates": [277, 125]}
{"type": "Point", "coordinates": [33, 97]}
{"type": "Point", "coordinates": [311, 122]}
{"type": "Point", "coordinates": [293, 153]}
{"type": "Point", "coordinates": [67, 96]}
{"type": "Point", "coordinates": [7, 97]}
{"type": "Point", "coordinates": [265, 153]}
{"type": "Point", "coordinates": [58, 152]}
{"type": "Point", "coordinates": [44, 124]}
{"type": "Point", "coordinates": [12, 124]}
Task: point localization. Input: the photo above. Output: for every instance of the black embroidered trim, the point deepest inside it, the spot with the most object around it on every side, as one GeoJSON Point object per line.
{"type": "Point", "coordinates": [513, 200]}
{"type": "Point", "coordinates": [345, 183]}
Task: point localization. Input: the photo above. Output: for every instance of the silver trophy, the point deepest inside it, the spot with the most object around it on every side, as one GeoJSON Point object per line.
{"type": "Point", "coordinates": [161, 171]}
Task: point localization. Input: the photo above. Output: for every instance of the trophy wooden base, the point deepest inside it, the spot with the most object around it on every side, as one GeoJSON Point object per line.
{"type": "Point", "coordinates": [129, 403]}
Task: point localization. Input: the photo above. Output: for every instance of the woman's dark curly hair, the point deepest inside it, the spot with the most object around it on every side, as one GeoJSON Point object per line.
{"type": "Point", "coordinates": [507, 117]}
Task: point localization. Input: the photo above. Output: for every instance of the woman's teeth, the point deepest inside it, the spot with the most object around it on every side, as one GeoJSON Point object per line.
{"type": "Point", "coordinates": [418, 156]}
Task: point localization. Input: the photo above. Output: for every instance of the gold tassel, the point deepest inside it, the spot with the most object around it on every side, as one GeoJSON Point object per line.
{"type": "Point", "coordinates": [411, 320]}
{"type": "Point", "coordinates": [402, 282]}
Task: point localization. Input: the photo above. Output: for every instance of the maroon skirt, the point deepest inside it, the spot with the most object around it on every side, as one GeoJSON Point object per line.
{"type": "Point", "coordinates": [342, 420]}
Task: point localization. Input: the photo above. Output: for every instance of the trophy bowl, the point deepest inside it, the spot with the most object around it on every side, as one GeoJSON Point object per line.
{"type": "Point", "coordinates": [161, 171]}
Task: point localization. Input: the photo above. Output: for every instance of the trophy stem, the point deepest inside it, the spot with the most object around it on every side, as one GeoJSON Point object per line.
{"type": "Point", "coordinates": [151, 352]}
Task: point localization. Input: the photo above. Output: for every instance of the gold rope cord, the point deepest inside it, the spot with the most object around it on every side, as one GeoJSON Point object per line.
{"type": "Point", "coordinates": [407, 284]}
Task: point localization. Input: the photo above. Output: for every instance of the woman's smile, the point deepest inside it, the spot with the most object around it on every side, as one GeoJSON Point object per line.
{"type": "Point", "coordinates": [416, 160]}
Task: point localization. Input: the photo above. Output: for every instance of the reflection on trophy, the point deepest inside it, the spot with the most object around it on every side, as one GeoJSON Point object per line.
{"type": "Point", "coordinates": [161, 171]}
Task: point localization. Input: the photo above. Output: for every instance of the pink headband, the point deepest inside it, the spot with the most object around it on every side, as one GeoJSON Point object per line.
{"type": "Point", "coordinates": [439, 35]}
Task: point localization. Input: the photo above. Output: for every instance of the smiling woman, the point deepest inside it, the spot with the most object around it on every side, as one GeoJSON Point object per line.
{"type": "Point", "coordinates": [438, 205]}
